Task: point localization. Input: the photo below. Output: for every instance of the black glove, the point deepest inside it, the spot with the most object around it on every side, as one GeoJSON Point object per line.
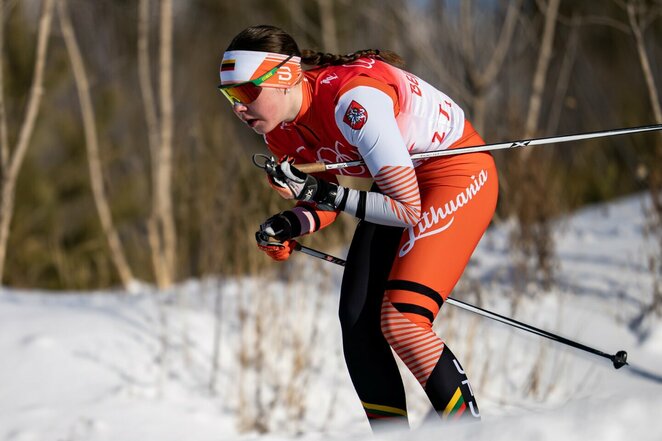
{"type": "Point", "coordinates": [292, 183]}
{"type": "Point", "coordinates": [282, 226]}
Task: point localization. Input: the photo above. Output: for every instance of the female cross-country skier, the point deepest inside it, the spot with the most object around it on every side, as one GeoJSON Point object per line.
{"type": "Point", "coordinates": [419, 224]}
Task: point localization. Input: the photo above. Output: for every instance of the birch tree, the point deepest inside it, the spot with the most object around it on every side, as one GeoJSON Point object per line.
{"type": "Point", "coordinates": [12, 159]}
{"type": "Point", "coordinates": [92, 144]}
{"type": "Point", "coordinates": [161, 224]}
{"type": "Point", "coordinates": [533, 238]}
{"type": "Point", "coordinates": [540, 75]}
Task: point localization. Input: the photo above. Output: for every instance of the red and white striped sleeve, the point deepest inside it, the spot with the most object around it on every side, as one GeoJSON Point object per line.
{"type": "Point", "coordinates": [365, 115]}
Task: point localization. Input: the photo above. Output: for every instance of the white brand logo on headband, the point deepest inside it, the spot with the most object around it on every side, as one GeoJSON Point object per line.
{"type": "Point", "coordinates": [284, 73]}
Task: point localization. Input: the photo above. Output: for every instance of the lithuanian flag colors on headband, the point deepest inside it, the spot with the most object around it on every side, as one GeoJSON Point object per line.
{"type": "Point", "coordinates": [242, 66]}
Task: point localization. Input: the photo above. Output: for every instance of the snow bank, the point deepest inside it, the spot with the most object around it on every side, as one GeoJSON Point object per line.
{"type": "Point", "coordinates": [184, 364]}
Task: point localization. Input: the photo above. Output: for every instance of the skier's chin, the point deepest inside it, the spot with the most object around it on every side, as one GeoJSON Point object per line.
{"type": "Point", "coordinates": [262, 127]}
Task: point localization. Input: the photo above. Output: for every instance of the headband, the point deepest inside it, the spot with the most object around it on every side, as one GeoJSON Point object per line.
{"type": "Point", "coordinates": [242, 66]}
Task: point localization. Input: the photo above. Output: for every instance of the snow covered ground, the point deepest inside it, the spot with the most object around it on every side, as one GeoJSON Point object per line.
{"type": "Point", "coordinates": [251, 359]}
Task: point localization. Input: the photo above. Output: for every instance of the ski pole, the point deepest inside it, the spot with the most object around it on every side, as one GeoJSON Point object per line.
{"type": "Point", "coordinates": [619, 359]}
{"type": "Point", "coordinates": [317, 167]}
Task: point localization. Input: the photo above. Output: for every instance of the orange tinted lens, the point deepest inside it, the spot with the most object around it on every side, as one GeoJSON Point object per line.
{"type": "Point", "coordinates": [244, 93]}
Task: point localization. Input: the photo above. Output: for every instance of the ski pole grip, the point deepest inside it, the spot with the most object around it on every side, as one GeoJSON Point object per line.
{"type": "Point", "coordinates": [313, 167]}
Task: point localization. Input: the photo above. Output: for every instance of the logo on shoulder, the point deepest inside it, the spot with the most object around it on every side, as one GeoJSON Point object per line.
{"type": "Point", "coordinates": [356, 116]}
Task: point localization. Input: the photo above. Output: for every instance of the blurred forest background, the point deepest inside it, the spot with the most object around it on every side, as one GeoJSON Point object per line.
{"type": "Point", "coordinates": [122, 162]}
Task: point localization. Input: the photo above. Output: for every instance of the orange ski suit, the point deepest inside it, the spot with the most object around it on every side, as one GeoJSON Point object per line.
{"type": "Point", "coordinates": [420, 223]}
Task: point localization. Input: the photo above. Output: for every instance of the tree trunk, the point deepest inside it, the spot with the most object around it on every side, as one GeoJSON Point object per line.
{"type": "Point", "coordinates": [540, 75]}
{"type": "Point", "coordinates": [328, 26]}
{"type": "Point", "coordinates": [153, 136]}
{"type": "Point", "coordinates": [163, 192]}
{"type": "Point", "coordinates": [533, 236]}
{"type": "Point", "coordinates": [160, 225]}
{"type": "Point", "coordinates": [11, 164]}
{"type": "Point", "coordinates": [92, 144]}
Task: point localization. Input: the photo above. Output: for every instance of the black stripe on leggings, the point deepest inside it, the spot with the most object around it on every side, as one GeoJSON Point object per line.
{"type": "Point", "coordinates": [414, 309]}
{"type": "Point", "coordinates": [406, 285]}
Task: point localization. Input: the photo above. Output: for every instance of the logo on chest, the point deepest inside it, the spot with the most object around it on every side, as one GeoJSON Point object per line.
{"type": "Point", "coordinates": [356, 116]}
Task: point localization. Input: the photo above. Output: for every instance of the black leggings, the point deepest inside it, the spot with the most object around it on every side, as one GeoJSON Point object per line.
{"type": "Point", "coordinates": [369, 359]}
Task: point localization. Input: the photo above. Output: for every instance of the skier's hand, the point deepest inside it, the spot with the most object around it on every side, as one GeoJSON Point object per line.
{"type": "Point", "coordinates": [274, 237]}
{"type": "Point", "coordinates": [291, 183]}
{"type": "Point", "coordinates": [277, 250]}
{"type": "Point", "coordinates": [275, 234]}
{"type": "Point", "coordinates": [280, 227]}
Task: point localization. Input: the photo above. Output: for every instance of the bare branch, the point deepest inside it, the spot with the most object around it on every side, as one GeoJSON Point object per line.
{"type": "Point", "coordinates": [503, 44]}
{"type": "Point", "coordinates": [645, 62]}
{"type": "Point", "coordinates": [621, 4]}
{"type": "Point", "coordinates": [646, 19]}
{"type": "Point", "coordinates": [423, 47]}
{"type": "Point", "coordinates": [564, 75]}
{"type": "Point", "coordinates": [606, 21]}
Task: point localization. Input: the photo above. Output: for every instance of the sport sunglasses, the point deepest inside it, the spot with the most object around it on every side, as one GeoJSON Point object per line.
{"type": "Point", "coordinates": [248, 91]}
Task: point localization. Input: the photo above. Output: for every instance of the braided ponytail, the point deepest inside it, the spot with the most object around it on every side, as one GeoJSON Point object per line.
{"type": "Point", "coordinates": [314, 58]}
{"type": "Point", "coordinates": [269, 38]}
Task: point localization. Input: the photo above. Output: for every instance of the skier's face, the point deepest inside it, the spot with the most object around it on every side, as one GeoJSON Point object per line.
{"type": "Point", "coordinates": [266, 112]}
